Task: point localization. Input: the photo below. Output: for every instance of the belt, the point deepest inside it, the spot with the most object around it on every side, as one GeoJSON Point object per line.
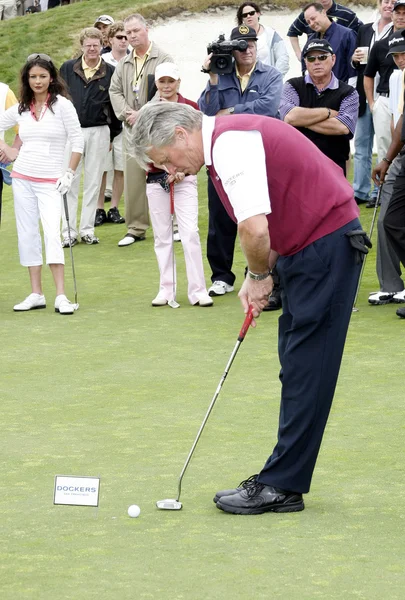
{"type": "Point", "coordinates": [384, 94]}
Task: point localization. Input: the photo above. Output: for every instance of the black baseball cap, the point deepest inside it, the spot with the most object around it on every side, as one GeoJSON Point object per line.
{"type": "Point", "coordinates": [396, 41]}
{"type": "Point", "coordinates": [244, 32]}
{"type": "Point", "coordinates": [399, 3]}
{"type": "Point", "coordinates": [320, 45]}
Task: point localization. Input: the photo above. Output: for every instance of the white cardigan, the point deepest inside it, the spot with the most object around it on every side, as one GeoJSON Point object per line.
{"type": "Point", "coordinates": [43, 142]}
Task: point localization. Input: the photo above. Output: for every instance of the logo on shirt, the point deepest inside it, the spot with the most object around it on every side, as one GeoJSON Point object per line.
{"type": "Point", "coordinates": [232, 180]}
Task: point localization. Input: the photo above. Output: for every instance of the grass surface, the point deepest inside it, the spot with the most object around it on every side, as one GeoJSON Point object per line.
{"type": "Point", "coordinates": [120, 389]}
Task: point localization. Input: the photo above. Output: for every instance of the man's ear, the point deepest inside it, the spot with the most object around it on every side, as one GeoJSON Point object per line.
{"type": "Point", "coordinates": [181, 134]}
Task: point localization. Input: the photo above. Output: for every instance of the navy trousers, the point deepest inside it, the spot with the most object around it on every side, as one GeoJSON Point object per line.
{"type": "Point", "coordinates": [394, 219]}
{"type": "Point", "coordinates": [318, 288]}
{"type": "Point", "coordinates": [221, 238]}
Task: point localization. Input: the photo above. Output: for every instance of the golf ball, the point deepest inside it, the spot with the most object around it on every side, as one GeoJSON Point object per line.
{"type": "Point", "coordinates": [134, 510]}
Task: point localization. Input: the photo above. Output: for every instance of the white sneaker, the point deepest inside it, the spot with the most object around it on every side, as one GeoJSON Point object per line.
{"type": "Point", "coordinates": [31, 302]}
{"type": "Point", "coordinates": [176, 237]}
{"type": "Point", "coordinates": [399, 297]}
{"type": "Point", "coordinates": [204, 300]}
{"type": "Point", "coordinates": [160, 300]}
{"type": "Point", "coordinates": [63, 306]}
{"type": "Point", "coordinates": [378, 298]}
{"type": "Point", "coordinates": [219, 288]}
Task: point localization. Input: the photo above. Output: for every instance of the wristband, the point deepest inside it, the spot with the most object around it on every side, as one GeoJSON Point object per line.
{"type": "Point", "coordinates": [386, 160]}
{"type": "Point", "coordinates": [205, 70]}
{"type": "Point", "coordinates": [260, 276]}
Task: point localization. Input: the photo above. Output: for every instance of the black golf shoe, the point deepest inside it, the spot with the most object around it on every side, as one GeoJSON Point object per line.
{"type": "Point", "coordinates": [243, 484]}
{"type": "Point", "coordinates": [101, 217]}
{"type": "Point", "coordinates": [258, 498]}
{"type": "Point", "coordinates": [401, 313]}
{"type": "Point", "coordinates": [113, 216]}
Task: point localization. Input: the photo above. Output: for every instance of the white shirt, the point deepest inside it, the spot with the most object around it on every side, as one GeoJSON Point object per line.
{"type": "Point", "coordinates": [239, 160]}
{"type": "Point", "coordinates": [43, 142]}
{"type": "Point", "coordinates": [396, 92]}
{"type": "Point", "coordinates": [108, 57]}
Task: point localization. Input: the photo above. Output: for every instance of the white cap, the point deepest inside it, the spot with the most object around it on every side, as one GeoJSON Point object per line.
{"type": "Point", "coordinates": [167, 69]}
{"type": "Point", "coordinates": [105, 19]}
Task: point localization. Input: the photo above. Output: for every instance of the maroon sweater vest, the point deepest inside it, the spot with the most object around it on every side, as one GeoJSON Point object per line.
{"type": "Point", "coordinates": [310, 197]}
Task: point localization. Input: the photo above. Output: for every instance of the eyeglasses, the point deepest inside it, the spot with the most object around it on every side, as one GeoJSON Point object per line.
{"type": "Point", "coordinates": [121, 37]}
{"type": "Point", "coordinates": [249, 14]}
{"type": "Point", "coordinates": [320, 57]}
{"type": "Point", "coordinates": [41, 56]}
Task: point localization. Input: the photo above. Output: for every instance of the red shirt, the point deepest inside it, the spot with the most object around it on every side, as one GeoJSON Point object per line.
{"type": "Point", "coordinates": [309, 195]}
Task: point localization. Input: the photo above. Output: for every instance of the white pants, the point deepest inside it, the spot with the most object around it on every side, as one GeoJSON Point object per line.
{"type": "Point", "coordinates": [96, 146]}
{"type": "Point", "coordinates": [382, 125]}
{"type": "Point", "coordinates": [186, 207]}
{"type": "Point", "coordinates": [8, 9]}
{"type": "Point", "coordinates": [34, 201]}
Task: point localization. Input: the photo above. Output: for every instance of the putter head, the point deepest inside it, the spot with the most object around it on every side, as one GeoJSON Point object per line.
{"type": "Point", "coordinates": [354, 309]}
{"type": "Point", "coordinates": [169, 504]}
{"type": "Point", "coordinates": [173, 304]}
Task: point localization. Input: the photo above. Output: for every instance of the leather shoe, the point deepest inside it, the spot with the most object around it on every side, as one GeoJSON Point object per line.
{"type": "Point", "coordinates": [243, 484]}
{"type": "Point", "coordinates": [258, 498]}
{"type": "Point", "coordinates": [400, 312]}
{"type": "Point", "coordinates": [113, 216]}
{"type": "Point", "coordinates": [130, 239]}
{"type": "Point", "coordinates": [100, 218]}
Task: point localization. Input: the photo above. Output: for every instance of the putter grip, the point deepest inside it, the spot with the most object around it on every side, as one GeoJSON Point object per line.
{"type": "Point", "coordinates": [171, 198]}
{"type": "Point", "coordinates": [246, 324]}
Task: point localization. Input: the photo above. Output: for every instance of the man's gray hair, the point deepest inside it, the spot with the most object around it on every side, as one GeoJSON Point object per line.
{"type": "Point", "coordinates": [138, 17]}
{"type": "Point", "coordinates": [156, 125]}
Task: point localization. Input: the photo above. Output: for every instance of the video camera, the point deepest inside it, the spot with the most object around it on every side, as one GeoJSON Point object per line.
{"type": "Point", "coordinates": [222, 59]}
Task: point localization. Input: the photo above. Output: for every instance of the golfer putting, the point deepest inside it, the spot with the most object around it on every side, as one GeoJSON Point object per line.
{"type": "Point", "coordinates": [294, 206]}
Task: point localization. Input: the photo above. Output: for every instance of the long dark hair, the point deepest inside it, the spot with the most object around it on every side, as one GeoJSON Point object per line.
{"type": "Point", "coordinates": [239, 18]}
{"type": "Point", "coordinates": [56, 86]}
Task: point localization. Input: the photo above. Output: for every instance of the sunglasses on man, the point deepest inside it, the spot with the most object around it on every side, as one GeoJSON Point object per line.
{"type": "Point", "coordinates": [249, 14]}
{"type": "Point", "coordinates": [121, 37]}
{"type": "Point", "coordinates": [320, 57]}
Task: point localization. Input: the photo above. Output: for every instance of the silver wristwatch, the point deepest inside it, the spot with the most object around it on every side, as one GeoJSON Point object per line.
{"type": "Point", "coordinates": [260, 276]}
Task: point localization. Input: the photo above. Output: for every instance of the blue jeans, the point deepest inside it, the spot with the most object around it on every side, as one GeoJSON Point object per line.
{"type": "Point", "coordinates": [363, 155]}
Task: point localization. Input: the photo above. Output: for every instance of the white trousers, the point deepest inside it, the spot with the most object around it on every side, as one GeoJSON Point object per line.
{"type": "Point", "coordinates": [34, 201]}
{"type": "Point", "coordinates": [8, 9]}
{"type": "Point", "coordinates": [186, 208]}
{"type": "Point", "coordinates": [96, 146]}
{"type": "Point", "coordinates": [382, 125]}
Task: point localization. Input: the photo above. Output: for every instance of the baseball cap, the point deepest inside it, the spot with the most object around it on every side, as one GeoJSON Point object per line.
{"type": "Point", "coordinates": [105, 19]}
{"type": "Point", "coordinates": [399, 3]}
{"type": "Point", "coordinates": [167, 69]}
{"type": "Point", "coordinates": [396, 41]}
{"type": "Point", "coordinates": [320, 45]}
{"type": "Point", "coordinates": [244, 32]}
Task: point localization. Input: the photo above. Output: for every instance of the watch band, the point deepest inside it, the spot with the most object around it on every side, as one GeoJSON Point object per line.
{"type": "Point", "coordinates": [259, 276]}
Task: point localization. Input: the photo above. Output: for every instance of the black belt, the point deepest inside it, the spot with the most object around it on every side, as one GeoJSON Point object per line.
{"type": "Point", "coordinates": [384, 94]}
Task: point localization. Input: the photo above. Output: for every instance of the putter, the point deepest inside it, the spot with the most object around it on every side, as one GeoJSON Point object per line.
{"type": "Point", "coordinates": [377, 203]}
{"type": "Point", "coordinates": [172, 303]}
{"type": "Point", "coordinates": [65, 204]}
{"type": "Point", "coordinates": [175, 504]}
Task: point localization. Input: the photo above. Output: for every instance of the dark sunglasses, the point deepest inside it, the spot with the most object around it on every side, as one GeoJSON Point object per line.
{"type": "Point", "coordinates": [41, 56]}
{"type": "Point", "coordinates": [121, 37]}
{"type": "Point", "coordinates": [249, 14]}
{"type": "Point", "coordinates": [320, 57]}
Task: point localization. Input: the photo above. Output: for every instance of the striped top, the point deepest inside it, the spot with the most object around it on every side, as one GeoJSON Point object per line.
{"type": "Point", "coordinates": [43, 142]}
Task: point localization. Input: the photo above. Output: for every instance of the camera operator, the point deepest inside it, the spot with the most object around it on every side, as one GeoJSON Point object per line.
{"type": "Point", "coordinates": [253, 88]}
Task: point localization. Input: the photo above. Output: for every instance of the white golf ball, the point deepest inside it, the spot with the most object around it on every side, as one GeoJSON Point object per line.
{"type": "Point", "coordinates": [134, 510]}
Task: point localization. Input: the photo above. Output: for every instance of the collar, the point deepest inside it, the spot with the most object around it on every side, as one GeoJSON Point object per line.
{"type": "Point", "coordinates": [86, 66]}
{"type": "Point", "coordinates": [332, 85]}
{"type": "Point", "coordinates": [208, 124]}
{"type": "Point", "coordinates": [239, 76]}
{"type": "Point", "coordinates": [332, 8]}
{"type": "Point", "coordinates": [145, 55]}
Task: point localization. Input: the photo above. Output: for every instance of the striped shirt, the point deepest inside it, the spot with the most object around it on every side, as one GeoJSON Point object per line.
{"type": "Point", "coordinates": [337, 12]}
{"type": "Point", "coordinates": [43, 142]}
{"type": "Point", "coordinates": [347, 111]}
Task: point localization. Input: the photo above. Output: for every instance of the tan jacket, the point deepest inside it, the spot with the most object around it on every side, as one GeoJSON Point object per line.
{"type": "Point", "coordinates": [121, 88]}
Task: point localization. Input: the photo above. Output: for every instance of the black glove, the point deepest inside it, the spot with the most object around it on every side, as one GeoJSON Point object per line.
{"type": "Point", "coordinates": [360, 241]}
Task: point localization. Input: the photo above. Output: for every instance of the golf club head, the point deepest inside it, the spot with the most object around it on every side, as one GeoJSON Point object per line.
{"type": "Point", "coordinates": [354, 309]}
{"type": "Point", "coordinates": [169, 504]}
{"type": "Point", "coordinates": [173, 304]}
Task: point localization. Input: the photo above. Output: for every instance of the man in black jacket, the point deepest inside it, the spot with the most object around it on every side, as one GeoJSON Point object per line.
{"type": "Point", "coordinates": [367, 36]}
{"type": "Point", "coordinates": [323, 108]}
{"type": "Point", "coordinates": [88, 79]}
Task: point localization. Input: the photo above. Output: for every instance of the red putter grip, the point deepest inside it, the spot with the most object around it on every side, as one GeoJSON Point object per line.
{"type": "Point", "coordinates": [246, 324]}
{"type": "Point", "coordinates": [171, 198]}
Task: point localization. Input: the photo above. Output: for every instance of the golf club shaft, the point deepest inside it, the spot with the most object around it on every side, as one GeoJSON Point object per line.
{"type": "Point", "coordinates": [172, 220]}
{"type": "Point", "coordinates": [65, 203]}
{"type": "Point", "coordinates": [363, 266]}
{"type": "Point", "coordinates": [241, 337]}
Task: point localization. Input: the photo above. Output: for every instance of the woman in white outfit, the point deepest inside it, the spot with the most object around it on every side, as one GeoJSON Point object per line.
{"type": "Point", "coordinates": [46, 120]}
{"type": "Point", "coordinates": [167, 79]}
{"type": "Point", "coordinates": [271, 48]}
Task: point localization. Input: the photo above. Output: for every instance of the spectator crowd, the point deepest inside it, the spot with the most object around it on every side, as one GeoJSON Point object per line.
{"type": "Point", "coordinates": [351, 87]}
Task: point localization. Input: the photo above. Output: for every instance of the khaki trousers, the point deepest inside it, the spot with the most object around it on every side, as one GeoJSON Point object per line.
{"type": "Point", "coordinates": [136, 202]}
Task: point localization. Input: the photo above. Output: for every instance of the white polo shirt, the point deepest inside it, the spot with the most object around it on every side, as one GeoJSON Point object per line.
{"type": "Point", "coordinates": [239, 160]}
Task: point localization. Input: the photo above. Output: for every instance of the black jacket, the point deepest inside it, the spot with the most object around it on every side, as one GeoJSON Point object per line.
{"type": "Point", "coordinates": [90, 97]}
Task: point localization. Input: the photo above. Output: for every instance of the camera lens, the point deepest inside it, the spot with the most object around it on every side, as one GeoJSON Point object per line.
{"type": "Point", "coordinates": [221, 63]}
